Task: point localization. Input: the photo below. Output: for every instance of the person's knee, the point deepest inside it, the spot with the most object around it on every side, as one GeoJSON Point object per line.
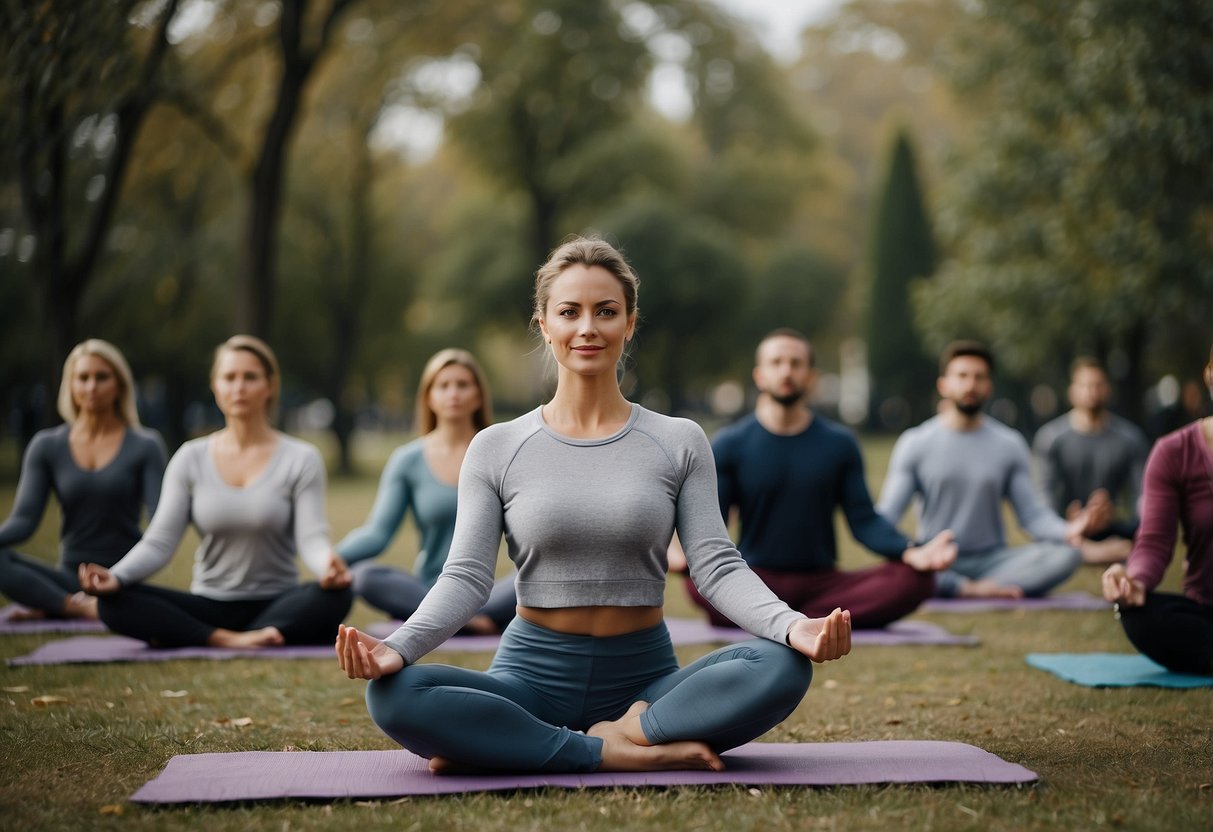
{"type": "Point", "coordinates": [1066, 560]}
{"type": "Point", "coordinates": [909, 581]}
{"type": "Point", "coordinates": [363, 576]}
{"type": "Point", "coordinates": [386, 700]}
{"type": "Point", "coordinates": [790, 672]}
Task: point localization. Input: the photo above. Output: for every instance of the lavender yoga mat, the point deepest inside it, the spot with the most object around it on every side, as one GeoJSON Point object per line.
{"type": "Point", "coordinates": [269, 775]}
{"type": "Point", "coordinates": [45, 625]}
{"type": "Point", "coordinates": [683, 631]}
{"type": "Point", "coordinates": [92, 649]}
{"type": "Point", "coordinates": [1063, 601]}
{"type": "Point", "coordinates": [687, 631]}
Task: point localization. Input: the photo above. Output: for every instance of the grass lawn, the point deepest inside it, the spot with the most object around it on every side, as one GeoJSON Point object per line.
{"type": "Point", "coordinates": [1121, 758]}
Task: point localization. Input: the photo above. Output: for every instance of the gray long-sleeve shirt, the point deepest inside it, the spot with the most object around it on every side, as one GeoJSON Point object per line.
{"type": "Point", "coordinates": [249, 534]}
{"type": "Point", "coordinates": [587, 522]}
{"type": "Point", "coordinates": [961, 479]}
{"type": "Point", "coordinates": [1072, 463]}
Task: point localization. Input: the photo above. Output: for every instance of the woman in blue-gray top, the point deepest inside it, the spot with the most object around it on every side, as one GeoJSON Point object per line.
{"type": "Point", "coordinates": [588, 490]}
{"type": "Point", "coordinates": [103, 468]}
{"type": "Point", "coordinates": [453, 404]}
{"type": "Point", "coordinates": [256, 497]}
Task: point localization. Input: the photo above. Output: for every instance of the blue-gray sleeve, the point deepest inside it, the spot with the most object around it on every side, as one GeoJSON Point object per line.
{"type": "Point", "coordinates": [1033, 513]}
{"type": "Point", "coordinates": [33, 490]}
{"type": "Point", "coordinates": [391, 502]}
{"type": "Point", "coordinates": [900, 483]}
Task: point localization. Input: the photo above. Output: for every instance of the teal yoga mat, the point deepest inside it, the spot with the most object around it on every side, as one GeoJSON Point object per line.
{"type": "Point", "coordinates": [1113, 670]}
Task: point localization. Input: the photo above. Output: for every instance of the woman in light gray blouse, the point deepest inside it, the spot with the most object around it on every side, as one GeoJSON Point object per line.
{"type": "Point", "coordinates": [103, 468]}
{"type": "Point", "coordinates": [588, 490]}
{"type": "Point", "coordinates": [256, 497]}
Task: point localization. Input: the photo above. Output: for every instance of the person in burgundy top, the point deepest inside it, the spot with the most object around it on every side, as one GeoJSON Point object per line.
{"type": "Point", "coordinates": [1174, 630]}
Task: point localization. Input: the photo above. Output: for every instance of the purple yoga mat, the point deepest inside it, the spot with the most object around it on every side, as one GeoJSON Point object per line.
{"type": "Point", "coordinates": [268, 775]}
{"type": "Point", "coordinates": [687, 631]}
{"type": "Point", "coordinates": [1064, 601]}
{"type": "Point", "coordinates": [46, 625]}
{"type": "Point", "coordinates": [90, 649]}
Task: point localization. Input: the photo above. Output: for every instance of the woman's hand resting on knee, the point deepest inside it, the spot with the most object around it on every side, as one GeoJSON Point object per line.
{"type": "Point", "coordinates": [96, 580]}
{"type": "Point", "coordinates": [365, 657]}
{"type": "Point", "coordinates": [822, 639]}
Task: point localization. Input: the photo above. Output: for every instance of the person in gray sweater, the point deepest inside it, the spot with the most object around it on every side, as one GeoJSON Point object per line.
{"type": "Point", "coordinates": [588, 490]}
{"type": "Point", "coordinates": [1090, 453]}
{"type": "Point", "coordinates": [962, 464]}
{"type": "Point", "coordinates": [256, 497]}
{"type": "Point", "coordinates": [103, 467]}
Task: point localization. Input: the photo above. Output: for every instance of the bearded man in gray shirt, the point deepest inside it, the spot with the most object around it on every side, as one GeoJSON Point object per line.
{"type": "Point", "coordinates": [961, 464]}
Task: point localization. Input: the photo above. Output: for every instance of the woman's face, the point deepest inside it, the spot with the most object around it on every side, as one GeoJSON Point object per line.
{"type": "Point", "coordinates": [586, 320]}
{"type": "Point", "coordinates": [95, 385]}
{"type": "Point", "coordinates": [241, 386]}
{"type": "Point", "coordinates": [454, 395]}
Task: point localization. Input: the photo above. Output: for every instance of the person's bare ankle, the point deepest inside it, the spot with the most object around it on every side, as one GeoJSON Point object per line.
{"type": "Point", "coordinates": [80, 605]}
{"type": "Point", "coordinates": [263, 637]}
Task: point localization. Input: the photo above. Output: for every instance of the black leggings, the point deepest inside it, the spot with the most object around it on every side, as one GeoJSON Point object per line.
{"type": "Point", "coordinates": [1173, 630]}
{"type": "Point", "coordinates": [163, 617]}
{"type": "Point", "coordinates": [35, 584]}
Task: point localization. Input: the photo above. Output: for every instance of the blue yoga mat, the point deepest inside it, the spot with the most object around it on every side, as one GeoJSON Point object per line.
{"type": "Point", "coordinates": [1114, 670]}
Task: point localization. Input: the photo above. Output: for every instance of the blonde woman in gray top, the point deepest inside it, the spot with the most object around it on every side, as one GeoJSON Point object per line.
{"type": "Point", "coordinates": [588, 490]}
{"type": "Point", "coordinates": [256, 497]}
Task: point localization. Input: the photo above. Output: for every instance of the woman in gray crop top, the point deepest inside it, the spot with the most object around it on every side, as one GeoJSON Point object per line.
{"type": "Point", "coordinates": [256, 497]}
{"type": "Point", "coordinates": [103, 468]}
{"type": "Point", "coordinates": [453, 404]}
{"type": "Point", "coordinates": [589, 490]}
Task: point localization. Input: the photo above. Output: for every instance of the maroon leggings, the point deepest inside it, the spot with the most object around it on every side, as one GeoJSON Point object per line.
{"type": "Point", "coordinates": [875, 597]}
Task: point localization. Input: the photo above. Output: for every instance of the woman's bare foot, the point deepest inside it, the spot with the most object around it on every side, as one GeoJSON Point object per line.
{"type": "Point", "coordinates": [24, 614]}
{"type": "Point", "coordinates": [988, 589]}
{"type": "Point", "coordinates": [265, 637]}
{"type": "Point", "coordinates": [441, 765]}
{"type": "Point", "coordinates": [80, 605]}
{"type": "Point", "coordinates": [625, 748]}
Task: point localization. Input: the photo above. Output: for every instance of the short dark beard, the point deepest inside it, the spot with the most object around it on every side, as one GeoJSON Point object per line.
{"type": "Point", "coordinates": [787, 399]}
{"type": "Point", "coordinates": [969, 410]}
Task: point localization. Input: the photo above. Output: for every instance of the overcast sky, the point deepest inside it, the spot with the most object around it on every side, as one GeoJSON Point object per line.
{"type": "Point", "coordinates": [778, 22]}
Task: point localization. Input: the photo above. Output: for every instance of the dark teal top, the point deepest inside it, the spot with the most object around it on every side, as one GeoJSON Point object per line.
{"type": "Point", "coordinates": [407, 484]}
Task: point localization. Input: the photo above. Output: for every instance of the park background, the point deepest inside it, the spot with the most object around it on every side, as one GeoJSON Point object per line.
{"type": "Point", "coordinates": [363, 182]}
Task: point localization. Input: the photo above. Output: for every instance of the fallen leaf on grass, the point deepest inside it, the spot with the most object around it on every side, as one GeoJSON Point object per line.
{"type": "Point", "coordinates": [830, 684]}
{"type": "Point", "coordinates": [242, 722]}
{"type": "Point", "coordinates": [955, 702]}
{"type": "Point", "coordinates": [349, 700]}
{"type": "Point", "coordinates": [44, 701]}
{"type": "Point", "coordinates": [112, 809]}
{"type": "Point", "coordinates": [174, 694]}
{"type": "Point", "coordinates": [17, 689]}
{"type": "Point", "coordinates": [756, 792]}
{"type": "Point", "coordinates": [894, 720]}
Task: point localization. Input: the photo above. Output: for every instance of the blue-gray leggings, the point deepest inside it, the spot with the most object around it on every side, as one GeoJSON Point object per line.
{"type": "Point", "coordinates": [543, 687]}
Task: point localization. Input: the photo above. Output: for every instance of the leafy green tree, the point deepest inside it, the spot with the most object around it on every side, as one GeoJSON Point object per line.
{"type": "Point", "coordinates": [1079, 217]}
{"type": "Point", "coordinates": [902, 250]}
{"type": "Point", "coordinates": [78, 84]}
{"type": "Point", "coordinates": [693, 280]}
